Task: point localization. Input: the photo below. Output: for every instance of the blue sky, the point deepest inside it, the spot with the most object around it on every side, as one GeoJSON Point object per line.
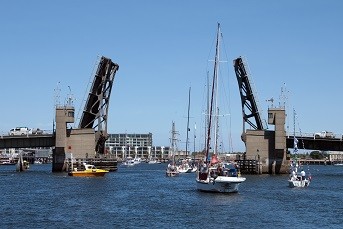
{"type": "Point", "coordinates": [163, 48]}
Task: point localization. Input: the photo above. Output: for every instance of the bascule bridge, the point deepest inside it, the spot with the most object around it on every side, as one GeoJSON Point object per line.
{"type": "Point", "coordinates": [88, 140]}
{"type": "Point", "coordinates": [268, 147]}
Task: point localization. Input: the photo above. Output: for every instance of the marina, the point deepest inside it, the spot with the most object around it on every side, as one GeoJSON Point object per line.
{"type": "Point", "coordinates": [151, 200]}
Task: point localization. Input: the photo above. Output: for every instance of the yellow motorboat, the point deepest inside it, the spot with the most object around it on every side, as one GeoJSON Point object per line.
{"type": "Point", "coordinates": [87, 171]}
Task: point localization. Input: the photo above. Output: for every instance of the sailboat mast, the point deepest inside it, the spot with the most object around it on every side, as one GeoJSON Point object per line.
{"type": "Point", "coordinates": [189, 104]}
{"type": "Point", "coordinates": [195, 128]}
{"type": "Point", "coordinates": [214, 83]}
{"type": "Point", "coordinates": [217, 131]}
{"type": "Point", "coordinates": [216, 91]}
{"type": "Point", "coordinates": [207, 112]}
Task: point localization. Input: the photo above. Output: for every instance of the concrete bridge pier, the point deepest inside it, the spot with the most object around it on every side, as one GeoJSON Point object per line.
{"type": "Point", "coordinates": [58, 158]}
{"type": "Point", "coordinates": [269, 145]}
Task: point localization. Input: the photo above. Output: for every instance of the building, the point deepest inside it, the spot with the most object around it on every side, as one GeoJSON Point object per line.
{"type": "Point", "coordinates": [335, 156]}
{"type": "Point", "coordinates": [131, 145]}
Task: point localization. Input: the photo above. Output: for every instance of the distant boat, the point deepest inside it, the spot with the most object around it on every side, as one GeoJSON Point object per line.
{"type": "Point", "coordinates": [172, 170]}
{"type": "Point", "coordinates": [212, 176]}
{"type": "Point", "coordinates": [129, 161]}
{"type": "Point", "coordinates": [22, 165]}
{"type": "Point", "coordinates": [154, 161]}
{"type": "Point", "coordinates": [185, 167]}
{"type": "Point", "coordinates": [87, 171]}
{"type": "Point", "coordinates": [339, 163]}
{"type": "Point", "coordinates": [137, 160]}
{"type": "Point", "coordinates": [7, 162]}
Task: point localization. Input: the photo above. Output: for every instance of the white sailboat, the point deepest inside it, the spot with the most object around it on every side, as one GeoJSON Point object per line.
{"type": "Point", "coordinates": [213, 176]}
{"type": "Point", "coordinates": [172, 169]}
{"type": "Point", "coordinates": [297, 176]}
{"type": "Point", "coordinates": [22, 165]}
{"type": "Point", "coordinates": [185, 166]}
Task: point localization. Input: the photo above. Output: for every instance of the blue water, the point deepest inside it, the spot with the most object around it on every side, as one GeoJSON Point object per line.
{"type": "Point", "coordinates": [143, 197]}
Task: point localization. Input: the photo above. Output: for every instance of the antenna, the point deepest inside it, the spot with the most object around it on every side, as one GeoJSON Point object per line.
{"type": "Point", "coordinates": [283, 96]}
{"type": "Point", "coordinates": [271, 100]}
{"type": "Point", "coordinates": [70, 98]}
{"type": "Point", "coordinates": [57, 92]}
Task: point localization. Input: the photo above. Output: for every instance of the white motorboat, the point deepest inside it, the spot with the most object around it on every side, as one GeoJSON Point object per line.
{"type": "Point", "coordinates": [137, 160]}
{"type": "Point", "coordinates": [128, 162]}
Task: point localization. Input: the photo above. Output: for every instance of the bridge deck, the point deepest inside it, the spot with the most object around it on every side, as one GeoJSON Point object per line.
{"type": "Point", "coordinates": [27, 141]}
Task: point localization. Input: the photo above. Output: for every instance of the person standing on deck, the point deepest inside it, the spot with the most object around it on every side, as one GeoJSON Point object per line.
{"type": "Point", "coordinates": [303, 174]}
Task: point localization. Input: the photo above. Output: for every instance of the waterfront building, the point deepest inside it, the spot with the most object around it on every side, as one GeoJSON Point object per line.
{"type": "Point", "coordinates": [335, 156]}
{"type": "Point", "coordinates": [131, 145]}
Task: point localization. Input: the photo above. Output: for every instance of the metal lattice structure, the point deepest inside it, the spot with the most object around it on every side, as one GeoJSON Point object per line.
{"type": "Point", "coordinates": [250, 110]}
{"type": "Point", "coordinates": [95, 112]}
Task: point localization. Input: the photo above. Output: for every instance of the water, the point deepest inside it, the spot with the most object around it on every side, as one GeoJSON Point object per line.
{"type": "Point", "coordinates": [143, 197]}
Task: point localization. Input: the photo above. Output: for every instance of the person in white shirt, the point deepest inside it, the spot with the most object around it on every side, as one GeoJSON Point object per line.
{"type": "Point", "coordinates": [303, 174]}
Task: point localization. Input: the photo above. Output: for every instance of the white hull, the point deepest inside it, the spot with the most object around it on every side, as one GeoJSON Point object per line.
{"type": "Point", "coordinates": [172, 173]}
{"type": "Point", "coordinates": [298, 183]}
{"type": "Point", "coordinates": [152, 162]}
{"type": "Point", "coordinates": [128, 163]}
{"type": "Point", "coordinates": [221, 184]}
{"type": "Point", "coordinates": [181, 170]}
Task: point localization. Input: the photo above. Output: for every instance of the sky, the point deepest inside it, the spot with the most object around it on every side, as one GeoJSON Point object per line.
{"type": "Point", "coordinates": [163, 48]}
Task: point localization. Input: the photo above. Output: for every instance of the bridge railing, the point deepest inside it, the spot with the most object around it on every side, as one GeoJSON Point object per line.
{"type": "Point", "coordinates": [311, 135]}
{"type": "Point", "coordinates": [44, 132]}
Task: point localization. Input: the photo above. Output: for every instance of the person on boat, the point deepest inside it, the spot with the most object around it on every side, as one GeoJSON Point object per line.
{"type": "Point", "coordinates": [203, 168]}
{"type": "Point", "coordinates": [220, 171]}
{"type": "Point", "coordinates": [303, 174]}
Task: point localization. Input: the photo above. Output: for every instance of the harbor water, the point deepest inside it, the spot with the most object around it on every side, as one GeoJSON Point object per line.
{"type": "Point", "coordinates": [143, 197]}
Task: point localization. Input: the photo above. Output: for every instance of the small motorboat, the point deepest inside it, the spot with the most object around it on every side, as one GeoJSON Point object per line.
{"type": "Point", "coordinates": [87, 171]}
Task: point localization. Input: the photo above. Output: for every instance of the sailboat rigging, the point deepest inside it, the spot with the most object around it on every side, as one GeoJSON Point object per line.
{"type": "Point", "coordinates": [213, 176]}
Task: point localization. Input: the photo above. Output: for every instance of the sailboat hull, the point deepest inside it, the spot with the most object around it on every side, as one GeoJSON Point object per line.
{"type": "Point", "coordinates": [298, 183]}
{"type": "Point", "coordinates": [221, 184]}
{"type": "Point", "coordinates": [172, 173]}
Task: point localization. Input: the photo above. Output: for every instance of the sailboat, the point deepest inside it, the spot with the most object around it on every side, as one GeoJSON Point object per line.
{"type": "Point", "coordinates": [185, 166]}
{"type": "Point", "coordinates": [296, 178]}
{"type": "Point", "coordinates": [22, 165]}
{"type": "Point", "coordinates": [213, 176]}
{"type": "Point", "coordinates": [172, 169]}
